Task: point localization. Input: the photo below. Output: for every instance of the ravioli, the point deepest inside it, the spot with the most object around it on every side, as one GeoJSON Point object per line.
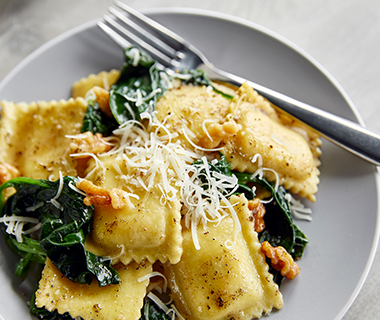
{"type": "Point", "coordinates": [218, 282]}
{"type": "Point", "coordinates": [122, 301]}
{"type": "Point", "coordinates": [282, 149]}
{"type": "Point", "coordinates": [150, 230]}
{"type": "Point", "coordinates": [33, 136]}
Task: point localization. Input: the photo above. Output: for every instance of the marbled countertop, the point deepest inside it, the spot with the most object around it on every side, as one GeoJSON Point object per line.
{"type": "Point", "coordinates": [342, 35]}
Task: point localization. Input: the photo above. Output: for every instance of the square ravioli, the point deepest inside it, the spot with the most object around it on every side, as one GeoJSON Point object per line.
{"type": "Point", "coordinates": [222, 282]}
{"type": "Point", "coordinates": [122, 301]}
{"type": "Point", "coordinates": [28, 133]}
{"type": "Point", "coordinates": [145, 229]}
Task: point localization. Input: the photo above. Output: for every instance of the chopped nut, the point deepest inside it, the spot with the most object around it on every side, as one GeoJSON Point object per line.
{"type": "Point", "coordinates": [281, 260]}
{"type": "Point", "coordinates": [95, 194]}
{"type": "Point", "coordinates": [89, 143]}
{"type": "Point", "coordinates": [102, 98]}
{"type": "Point", "coordinates": [258, 211]}
{"type": "Point", "coordinates": [117, 198]}
{"type": "Point", "coordinates": [7, 172]}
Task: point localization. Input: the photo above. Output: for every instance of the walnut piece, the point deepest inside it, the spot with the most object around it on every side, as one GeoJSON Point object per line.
{"type": "Point", "coordinates": [89, 143]}
{"type": "Point", "coordinates": [257, 210]}
{"type": "Point", "coordinates": [119, 198]}
{"type": "Point", "coordinates": [281, 260]}
{"type": "Point", "coordinates": [103, 98]}
{"type": "Point", "coordinates": [95, 194]}
{"type": "Point", "coordinates": [116, 198]}
{"type": "Point", "coordinates": [7, 172]}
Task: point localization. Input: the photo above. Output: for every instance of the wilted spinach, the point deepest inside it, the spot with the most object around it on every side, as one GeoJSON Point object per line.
{"type": "Point", "coordinates": [64, 229]}
{"type": "Point", "coordinates": [279, 227]}
{"type": "Point", "coordinates": [152, 312]}
{"type": "Point", "coordinates": [138, 87]}
{"type": "Point", "coordinates": [29, 250]}
{"type": "Point", "coordinates": [96, 121]}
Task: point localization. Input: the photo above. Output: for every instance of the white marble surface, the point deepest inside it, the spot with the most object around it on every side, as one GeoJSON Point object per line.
{"type": "Point", "coordinates": [342, 35]}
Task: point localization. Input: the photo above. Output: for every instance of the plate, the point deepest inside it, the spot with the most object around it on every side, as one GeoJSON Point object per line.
{"type": "Point", "coordinates": [344, 231]}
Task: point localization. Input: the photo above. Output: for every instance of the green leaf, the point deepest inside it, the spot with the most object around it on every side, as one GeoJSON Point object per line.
{"type": "Point", "coordinates": [139, 77]}
{"type": "Point", "coordinates": [279, 227]}
{"type": "Point", "coordinates": [96, 121]}
{"type": "Point", "coordinates": [151, 311]}
{"type": "Point", "coordinates": [63, 232]}
{"type": "Point", "coordinates": [30, 250]}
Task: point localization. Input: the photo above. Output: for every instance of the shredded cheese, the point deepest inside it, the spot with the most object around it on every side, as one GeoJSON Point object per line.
{"type": "Point", "coordinates": [298, 209]}
{"type": "Point", "coordinates": [155, 159]}
{"type": "Point", "coordinates": [15, 225]}
{"type": "Point", "coordinates": [35, 207]}
{"type": "Point", "coordinates": [115, 258]}
{"type": "Point", "coordinates": [71, 186]}
{"type": "Point", "coordinates": [54, 201]}
{"type": "Point", "coordinates": [205, 129]}
{"type": "Point", "coordinates": [155, 274]}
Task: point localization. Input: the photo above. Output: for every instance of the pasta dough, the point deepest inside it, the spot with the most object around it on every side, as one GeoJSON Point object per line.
{"type": "Point", "coordinates": [218, 282]}
{"type": "Point", "coordinates": [33, 136]}
{"type": "Point", "coordinates": [122, 301]}
{"type": "Point", "coordinates": [185, 108]}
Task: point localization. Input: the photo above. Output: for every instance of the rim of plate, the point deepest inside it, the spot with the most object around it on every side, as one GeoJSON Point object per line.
{"type": "Point", "coordinates": [267, 32]}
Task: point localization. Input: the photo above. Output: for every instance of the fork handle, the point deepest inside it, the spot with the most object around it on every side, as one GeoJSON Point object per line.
{"type": "Point", "coordinates": [342, 132]}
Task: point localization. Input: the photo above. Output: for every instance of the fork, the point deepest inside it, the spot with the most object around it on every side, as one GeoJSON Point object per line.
{"type": "Point", "coordinates": [127, 26]}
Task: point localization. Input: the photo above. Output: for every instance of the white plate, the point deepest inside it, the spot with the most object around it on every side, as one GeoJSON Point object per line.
{"type": "Point", "coordinates": [344, 231]}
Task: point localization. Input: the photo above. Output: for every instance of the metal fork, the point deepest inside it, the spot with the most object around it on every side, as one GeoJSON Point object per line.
{"type": "Point", "coordinates": [127, 26]}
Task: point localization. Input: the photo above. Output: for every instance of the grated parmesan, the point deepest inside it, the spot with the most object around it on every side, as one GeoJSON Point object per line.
{"type": "Point", "coordinates": [54, 201]}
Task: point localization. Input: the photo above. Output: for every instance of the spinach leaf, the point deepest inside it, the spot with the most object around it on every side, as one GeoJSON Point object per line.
{"type": "Point", "coordinates": [152, 312]}
{"type": "Point", "coordinates": [280, 229]}
{"type": "Point", "coordinates": [30, 250]}
{"type": "Point", "coordinates": [195, 76]}
{"type": "Point", "coordinates": [138, 88]}
{"type": "Point", "coordinates": [65, 226]}
{"type": "Point", "coordinates": [300, 243]}
{"type": "Point", "coordinates": [96, 121]}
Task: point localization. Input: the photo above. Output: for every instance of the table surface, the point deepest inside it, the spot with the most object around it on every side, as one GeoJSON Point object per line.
{"type": "Point", "coordinates": [342, 35]}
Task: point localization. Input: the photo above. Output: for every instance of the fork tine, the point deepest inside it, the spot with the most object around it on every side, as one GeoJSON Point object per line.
{"type": "Point", "coordinates": [158, 55]}
{"type": "Point", "coordinates": [168, 36]}
{"type": "Point", "coordinates": [154, 41]}
{"type": "Point", "coordinates": [121, 41]}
